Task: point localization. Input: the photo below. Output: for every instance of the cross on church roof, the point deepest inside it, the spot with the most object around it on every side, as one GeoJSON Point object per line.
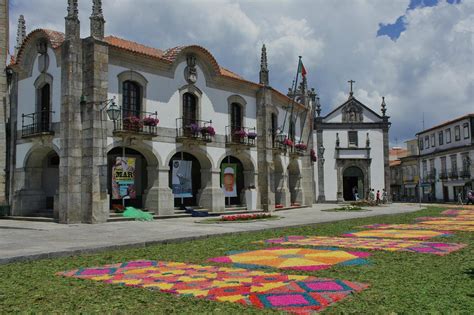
{"type": "Point", "coordinates": [351, 82]}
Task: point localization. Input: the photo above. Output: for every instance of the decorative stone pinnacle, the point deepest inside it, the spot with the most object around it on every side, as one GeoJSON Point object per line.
{"type": "Point", "coordinates": [72, 9]}
{"type": "Point", "coordinates": [384, 106]}
{"type": "Point", "coordinates": [21, 33]}
{"type": "Point", "coordinates": [97, 8]}
{"type": "Point", "coordinates": [264, 77]}
{"type": "Point", "coordinates": [351, 93]}
{"type": "Point", "coordinates": [318, 106]}
{"type": "Point", "coordinates": [367, 141]}
{"type": "Point", "coordinates": [263, 60]}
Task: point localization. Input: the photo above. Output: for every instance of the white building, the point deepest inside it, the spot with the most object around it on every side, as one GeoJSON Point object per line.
{"type": "Point", "coordinates": [353, 151]}
{"type": "Point", "coordinates": [445, 160]}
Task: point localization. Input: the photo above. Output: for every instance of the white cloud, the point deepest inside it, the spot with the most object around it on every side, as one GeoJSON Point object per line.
{"type": "Point", "coordinates": [429, 69]}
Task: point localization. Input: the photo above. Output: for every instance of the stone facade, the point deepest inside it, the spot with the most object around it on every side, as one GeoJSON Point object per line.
{"type": "Point", "coordinates": [3, 99]}
{"type": "Point", "coordinates": [64, 158]}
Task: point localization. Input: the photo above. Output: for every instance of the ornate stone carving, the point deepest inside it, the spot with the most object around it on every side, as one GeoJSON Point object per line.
{"type": "Point", "coordinates": [190, 72]}
{"type": "Point", "coordinates": [352, 113]}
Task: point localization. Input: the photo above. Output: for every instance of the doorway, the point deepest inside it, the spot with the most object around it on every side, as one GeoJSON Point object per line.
{"type": "Point", "coordinates": [191, 199]}
{"type": "Point", "coordinates": [229, 166]}
{"type": "Point", "coordinates": [353, 180]}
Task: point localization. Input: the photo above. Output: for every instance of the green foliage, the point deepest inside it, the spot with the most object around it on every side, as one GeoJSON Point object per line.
{"type": "Point", "coordinates": [400, 282]}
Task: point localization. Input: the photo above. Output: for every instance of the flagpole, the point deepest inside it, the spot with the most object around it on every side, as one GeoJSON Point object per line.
{"type": "Point", "coordinates": [294, 94]}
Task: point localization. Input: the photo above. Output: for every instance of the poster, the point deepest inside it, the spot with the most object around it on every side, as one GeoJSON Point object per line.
{"type": "Point", "coordinates": [182, 179]}
{"type": "Point", "coordinates": [123, 178]}
{"type": "Point", "coordinates": [229, 179]}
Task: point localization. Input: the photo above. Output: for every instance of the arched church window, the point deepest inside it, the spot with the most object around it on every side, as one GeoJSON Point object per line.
{"type": "Point", "coordinates": [131, 102]}
{"type": "Point", "coordinates": [44, 103]}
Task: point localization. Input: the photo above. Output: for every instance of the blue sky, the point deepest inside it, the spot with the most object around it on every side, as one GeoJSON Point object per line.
{"type": "Point", "coordinates": [416, 53]}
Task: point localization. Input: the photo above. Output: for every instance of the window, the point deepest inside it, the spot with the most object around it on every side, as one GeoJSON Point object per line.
{"type": "Point", "coordinates": [440, 138]}
{"type": "Point", "coordinates": [274, 126]}
{"type": "Point", "coordinates": [353, 140]}
{"type": "Point", "coordinates": [443, 164]}
{"type": "Point", "coordinates": [427, 142]}
{"type": "Point", "coordinates": [454, 164]}
{"type": "Point", "coordinates": [421, 144]}
{"type": "Point", "coordinates": [425, 168]}
{"type": "Point", "coordinates": [131, 102]}
{"type": "Point", "coordinates": [448, 135]}
{"type": "Point", "coordinates": [465, 129]}
{"type": "Point", "coordinates": [189, 109]}
{"type": "Point", "coordinates": [457, 133]}
{"type": "Point", "coordinates": [433, 140]}
{"type": "Point", "coordinates": [465, 162]}
{"type": "Point", "coordinates": [44, 106]}
{"type": "Point", "coordinates": [236, 116]}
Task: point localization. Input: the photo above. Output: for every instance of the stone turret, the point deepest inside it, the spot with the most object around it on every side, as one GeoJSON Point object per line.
{"type": "Point", "coordinates": [3, 96]}
{"type": "Point", "coordinates": [264, 79]}
{"type": "Point", "coordinates": [20, 34]}
{"type": "Point", "coordinates": [97, 20]}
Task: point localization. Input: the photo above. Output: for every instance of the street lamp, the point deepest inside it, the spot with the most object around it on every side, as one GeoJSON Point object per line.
{"type": "Point", "coordinates": [321, 153]}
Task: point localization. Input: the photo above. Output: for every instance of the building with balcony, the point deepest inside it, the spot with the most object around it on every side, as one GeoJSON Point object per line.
{"type": "Point", "coordinates": [100, 121]}
{"type": "Point", "coordinates": [445, 159]}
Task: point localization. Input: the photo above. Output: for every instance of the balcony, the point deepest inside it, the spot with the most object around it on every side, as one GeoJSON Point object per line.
{"type": "Point", "coordinates": [299, 149]}
{"type": "Point", "coordinates": [465, 173]}
{"type": "Point", "coordinates": [429, 177]}
{"type": "Point", "coordinates": [453, 174]}
{"type": "Point", "coordinates": [135, 122]}
{"type": "Point", "coordinates": [443, 175]}
{"type": "Point", "coordinates": [192, 130]}
{"type": "Point", "coordinates": [240, 136]}
{"type": "Point", "coordinates": [36, 124]}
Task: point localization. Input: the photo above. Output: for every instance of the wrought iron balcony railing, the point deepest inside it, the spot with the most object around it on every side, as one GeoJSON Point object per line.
{"type": "Point", "coordinates": [443, 175]}
{"type": "Point", "coordinates": [36, 123]}
{"type": "Point", "coordinates": [133, 121]}
{"type": "Point", "coordinates": [453, 174]}
{"type": "Point", "coordinates": [465, 173]}
{"type": "Point", "coordinates": [194, 129]}
{"type": "Point", "coordinates": [240, 135]}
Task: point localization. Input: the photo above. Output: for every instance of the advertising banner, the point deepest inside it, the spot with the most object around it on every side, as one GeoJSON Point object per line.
{"type": "Point", "coordinates": [229, 179]}
{"type": "Point", "coordinates": [123, 178]}
{"type": "Point", "coordinates": [182, 183]}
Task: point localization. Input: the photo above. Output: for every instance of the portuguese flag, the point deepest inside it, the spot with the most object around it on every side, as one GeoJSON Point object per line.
{"type": "Point", "coordinates": [301, 69]}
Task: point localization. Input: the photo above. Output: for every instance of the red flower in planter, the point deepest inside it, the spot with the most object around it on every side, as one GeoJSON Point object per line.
{"type": "Point", "coordinates": [150, 121]}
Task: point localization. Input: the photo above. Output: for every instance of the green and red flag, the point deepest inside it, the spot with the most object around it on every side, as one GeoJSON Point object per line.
{"type": "Point", "coordinates": [301, 69]}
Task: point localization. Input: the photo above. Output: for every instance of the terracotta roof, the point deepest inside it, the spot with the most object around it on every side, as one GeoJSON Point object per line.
{"type": "Point", "coordinates": [169, 55]}
{"type": "Point", "coordinates": [56, 39]}
{"type": "Point", "coordinates": [471, 115]}
{"type": "Point", "coordinates": [134, 47]}
{"type": "Point", "coordinates": [395, 163]}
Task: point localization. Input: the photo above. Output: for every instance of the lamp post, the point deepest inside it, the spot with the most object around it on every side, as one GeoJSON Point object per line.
{"type": "Point", "coordinates": [321, 196]}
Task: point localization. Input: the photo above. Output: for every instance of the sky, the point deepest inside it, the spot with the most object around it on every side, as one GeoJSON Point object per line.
{"type": "Point", "coordinates": [419, 54]}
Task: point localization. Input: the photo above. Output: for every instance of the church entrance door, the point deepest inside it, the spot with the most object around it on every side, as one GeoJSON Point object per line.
{"type": "Point", "coordinates": [353, 180]}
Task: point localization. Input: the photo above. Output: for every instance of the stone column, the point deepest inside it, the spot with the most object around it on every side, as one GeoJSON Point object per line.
{"type": "Point", "coordinates": [319, 139]}
{"type": "Point", "coordinates": [71, 164]}
{"type": "Point", "coordinates": [282, 190]}
{"type": "Point", "coordinates": [159, 198]}
{"type": "Point", "coordinates": [211, 196]}
{"type": "Point", "coordinates": [3, 96]}
{"type": "Point", "coordinates": [95, 195]}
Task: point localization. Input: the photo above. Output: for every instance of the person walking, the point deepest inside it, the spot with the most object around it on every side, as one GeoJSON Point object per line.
{"type": "Point", "coordinates": [384, 196]}
{"type": "Point", "coordinates": [378, 197]}
{"type": "Point", "coordinates": [372, 195]}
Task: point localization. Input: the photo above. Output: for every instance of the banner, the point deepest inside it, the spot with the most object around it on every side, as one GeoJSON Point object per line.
{"type": "Point", "coordinates": [182, 183]}
{"type": "Point", "coordinates": [229, 179]}
{"type": "Point", "coordinates": [123, 178]}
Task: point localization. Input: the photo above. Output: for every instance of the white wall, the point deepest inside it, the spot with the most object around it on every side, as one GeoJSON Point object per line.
{"type": "Point", "coordinates": [163, 96]}
{"type": "Point", "coordinates": [27, 91]}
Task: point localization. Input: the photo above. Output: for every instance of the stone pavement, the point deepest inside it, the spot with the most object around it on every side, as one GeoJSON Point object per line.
{"type": "Point", "coordinates": [22, 240]}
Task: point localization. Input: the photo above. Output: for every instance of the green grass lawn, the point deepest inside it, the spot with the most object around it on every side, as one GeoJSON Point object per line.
{"type": "Point", "coordinates": [400, 282]}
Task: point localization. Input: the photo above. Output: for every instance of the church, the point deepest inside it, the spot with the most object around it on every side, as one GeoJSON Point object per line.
{"type": "Point", "coordinates": [97, 123]}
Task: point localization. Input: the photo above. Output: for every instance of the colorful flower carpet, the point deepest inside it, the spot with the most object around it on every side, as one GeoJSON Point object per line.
{"type": "Point", "coordinates": [457, 218]}
{"type": "Point", "coordinates": [458, 212]}
{"type": "Point", "coordinates": [418, 226]}
{"type": "Point", "coordinates": [392, 245]}
{"type": "Point", "coordinates": [386, 233]}
{"type": "Point", "coordinates": [449, 222]}
{"type": "Point", "coordinates": [291, 293]}
{"type": "Point", "coordinates": [293, 258]}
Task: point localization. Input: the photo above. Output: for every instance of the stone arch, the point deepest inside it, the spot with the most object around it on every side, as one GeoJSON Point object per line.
{"type": "Point", "coordinates": [247, 175]}
{"type": "Point", "coordinates": [342, 166]}
{"type": "Point", "coordinates": [148, 168]}
{"type": "Point", "coordinates": [37, 182]}
{"type": "Point", "coordinates": [204, 158]}
{"type": "Point", "coordinates": [294, 182]}
{"type": "Point", "coordinates": [204, 59]}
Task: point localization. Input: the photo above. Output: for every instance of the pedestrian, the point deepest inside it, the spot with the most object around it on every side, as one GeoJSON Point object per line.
{"type": "Point", "coordinates": [460, 198]}
{"type": "Point", "coordinates": [354, 192]}
{"type": "Point", "coordinates": [378, 197]}
{"type": "Point", "coordinates": [371, 195]}
{"type": "Point", "coordinates": [470, 197]}
{"type": "Point", "coordinates": [384, 196]}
